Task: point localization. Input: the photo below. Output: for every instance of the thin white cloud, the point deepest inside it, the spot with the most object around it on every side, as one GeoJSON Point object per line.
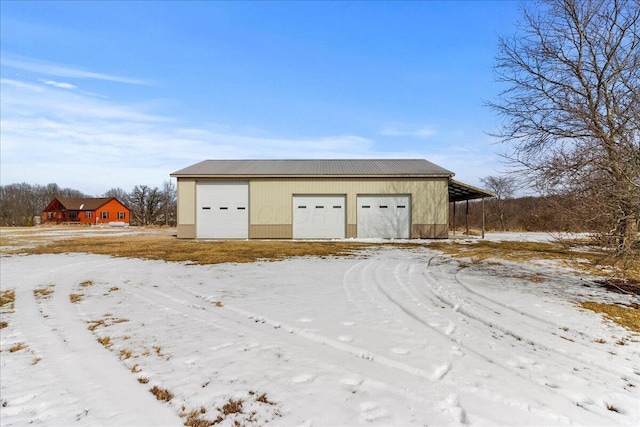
{"type": "Point", "coordinates": [24, 99]}
{"type": "Point", "coordinates": [423, 132]}
{"type": "Point", "coordinates": [94, 144]}
{"type": "Point", "coordinates": [52, 69]}
{"type": "Point", "coordinates": [61, 85]}
{"type": "Point", "coordinates": [21, 85]}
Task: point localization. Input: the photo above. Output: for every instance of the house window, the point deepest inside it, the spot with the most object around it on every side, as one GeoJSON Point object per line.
{"type": "Point", "coordinates": [120, 215]}
{"type": "Point", "coordinates": [104, 215]}
{"type": "Point", "coordinates": [87, 214]}
{"type": "Point", "coordinates": [73, 216]}
{"type": "Point", "coordinates": [50, 215]}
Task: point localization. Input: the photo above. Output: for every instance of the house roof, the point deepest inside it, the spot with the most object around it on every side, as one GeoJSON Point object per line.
{"type": "Point", "coordinates": [313, 168]}
{"type": "Point", "coordinates": [83, 204]}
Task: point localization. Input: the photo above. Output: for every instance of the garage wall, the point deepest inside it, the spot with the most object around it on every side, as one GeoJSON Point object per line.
{"type": "Point", "coordinates": [270, 202]}
{"type": "Point", "coordinates": [186, 208]}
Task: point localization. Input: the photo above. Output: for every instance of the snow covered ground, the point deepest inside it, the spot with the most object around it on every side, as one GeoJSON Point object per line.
{"type": "Point", "coordinates": [391, 337]}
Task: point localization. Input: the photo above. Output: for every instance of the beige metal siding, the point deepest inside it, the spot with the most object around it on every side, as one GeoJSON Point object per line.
{"type": "Point", "coordinates": [186, 231]}
{"type": "Point", "coordinates": [281, 231]}
{"type": "Point", "coordinates": [271, 210]}
{"type": "Point", "coordinates": [270, 199]}
{"type": "Point", "coordinates": [186, 202]}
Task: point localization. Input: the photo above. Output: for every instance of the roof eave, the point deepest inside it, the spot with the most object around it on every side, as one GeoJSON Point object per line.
{"type": "Point", "coordinates": [247, 176]}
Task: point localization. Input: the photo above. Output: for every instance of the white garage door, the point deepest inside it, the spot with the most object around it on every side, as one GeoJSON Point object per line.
{"type": "Point", "coordinates": [319, 217]}
{"type": "Point", "coordinates": [387, 217]}
{"type": "Point", "coordinates": [222, 210]}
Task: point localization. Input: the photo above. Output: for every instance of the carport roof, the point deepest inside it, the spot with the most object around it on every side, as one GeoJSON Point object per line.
{"type": "Point", "coordinates": [460, 191]}
{"type": "Point", "coordinates": [313, 168]}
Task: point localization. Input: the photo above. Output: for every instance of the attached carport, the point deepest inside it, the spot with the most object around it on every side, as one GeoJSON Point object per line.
{"type": "Point", "coordinates": [461, 192]}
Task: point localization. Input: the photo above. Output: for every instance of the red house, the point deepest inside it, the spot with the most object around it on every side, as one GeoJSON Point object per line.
{"type": "Point", "coordinates": [103, 210]}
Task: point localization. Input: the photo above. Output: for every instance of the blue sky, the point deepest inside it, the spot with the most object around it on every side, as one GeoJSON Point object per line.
{"type": "Point", "coordinates": [97, 95]}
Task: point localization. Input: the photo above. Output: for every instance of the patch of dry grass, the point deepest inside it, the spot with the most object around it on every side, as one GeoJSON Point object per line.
{"type": "Point", "coordinates": [86, 283]}
{"type": "Point", "coordinates": [482, 250]}
{"type": "Point", "coordinates": [7, 300]}
{"type": "Point", "coordinates": [12, 237]}
{"type": "Point", "coordinates": [158, 350]}
{"type": "Point", "coordinates": [161, 393]}
{"type": "Point", "coordinates": [93, 324]}
{"type": "Point", "coordinates": [169, 248]}
{"type": "Point", "coordinates": [105, 341]}
{"type": "Point", "coordinates": [43, 293]}
{"type": "Point", "coordinates": [194, 418]}
{"type": "Point", "coordinates": [578, 254]}
{"type": "Point", "coordinates": [627, 317]}
{"type": "Point", "coordinates": [75, 297]}
{"type": "Point", "coordinates": [263, 399]}
{"type": "Point", "coordinates": [232, 407]}
{"type": "Point", "coordinates": [17, 347]}
{"type": "Point", "coordinates": [3, 324]}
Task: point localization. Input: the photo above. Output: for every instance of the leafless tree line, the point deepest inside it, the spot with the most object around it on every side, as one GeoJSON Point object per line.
{"type": "Point", "coordinates": [21, 204]}
{"type": "Point", "coordinates": [553, 214]}
{"type": "Point", "coordinates": [571, 112]}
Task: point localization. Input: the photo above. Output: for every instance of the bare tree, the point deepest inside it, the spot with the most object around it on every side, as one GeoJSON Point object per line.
{"type": "Point", "coordinates": [119, 194]}
{"type": "Point", "coordinates": [169, 203]}
{"type": "Point", "coordinates": [145, 204]}
{"type": "Point", "coordinates": [504, 187]}
{"type": "Point", "coordinates": [21, 203]}
{"type": "Point", "coordinates": [571, 108]}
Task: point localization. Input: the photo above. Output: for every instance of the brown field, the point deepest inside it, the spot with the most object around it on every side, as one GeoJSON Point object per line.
{"type": "Point", "coordinates": [168, 248]}
{"type": "Point", "coordinates": [482, 250]}
{"type": "Point", "coordinates": [161, 244]}
{"type": "Point", "coordinates": [583, 257]}
{"type": "Point", "coordinates": [628, 317]}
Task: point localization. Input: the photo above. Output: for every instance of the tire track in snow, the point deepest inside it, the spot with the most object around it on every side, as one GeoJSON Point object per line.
{"type": "Point", "coordinates": [186, 306]}
{"type": "Point", "coordinates": [187, 303]}
{"type": "Point", "coordinates": [106, 391]}
{"type": "Point", "coordinates": [415, 376]}
{"type": "Point", "coordinates": [342, 346]}
{"type": "Point", "coordinates": [469, 289]}
{"type": "Point", "coordinates": [542, 385]}
{"type": "Point", "coordinates": [356, 283]}
{"type": "Point", "coordinates": [472, 302]}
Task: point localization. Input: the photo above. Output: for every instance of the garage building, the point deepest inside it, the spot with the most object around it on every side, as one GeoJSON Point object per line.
{"type": "Point", "coordinates": [316, 199]}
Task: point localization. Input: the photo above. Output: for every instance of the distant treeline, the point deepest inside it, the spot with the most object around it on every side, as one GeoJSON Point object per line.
{"type": "Point", "coordinates": [22, 204]}
{"type": "Point", "coordinates": [535, 213]}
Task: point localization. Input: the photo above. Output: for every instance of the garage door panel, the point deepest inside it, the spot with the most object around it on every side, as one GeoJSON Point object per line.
{"type": "Point", "coordinates": [384, 216]}
{"type": "Point", "coordinates": [319, 217]}
{"type": "Point", "coordinates": [223, 210]}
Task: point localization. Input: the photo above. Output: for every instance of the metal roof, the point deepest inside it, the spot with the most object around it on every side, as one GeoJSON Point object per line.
{"type": "Point", "coordinates": [82, 204]}
{"type": "Point", "coordinates": [313, 168]}
{"type": "Point", "coordinates": [460, 191]}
